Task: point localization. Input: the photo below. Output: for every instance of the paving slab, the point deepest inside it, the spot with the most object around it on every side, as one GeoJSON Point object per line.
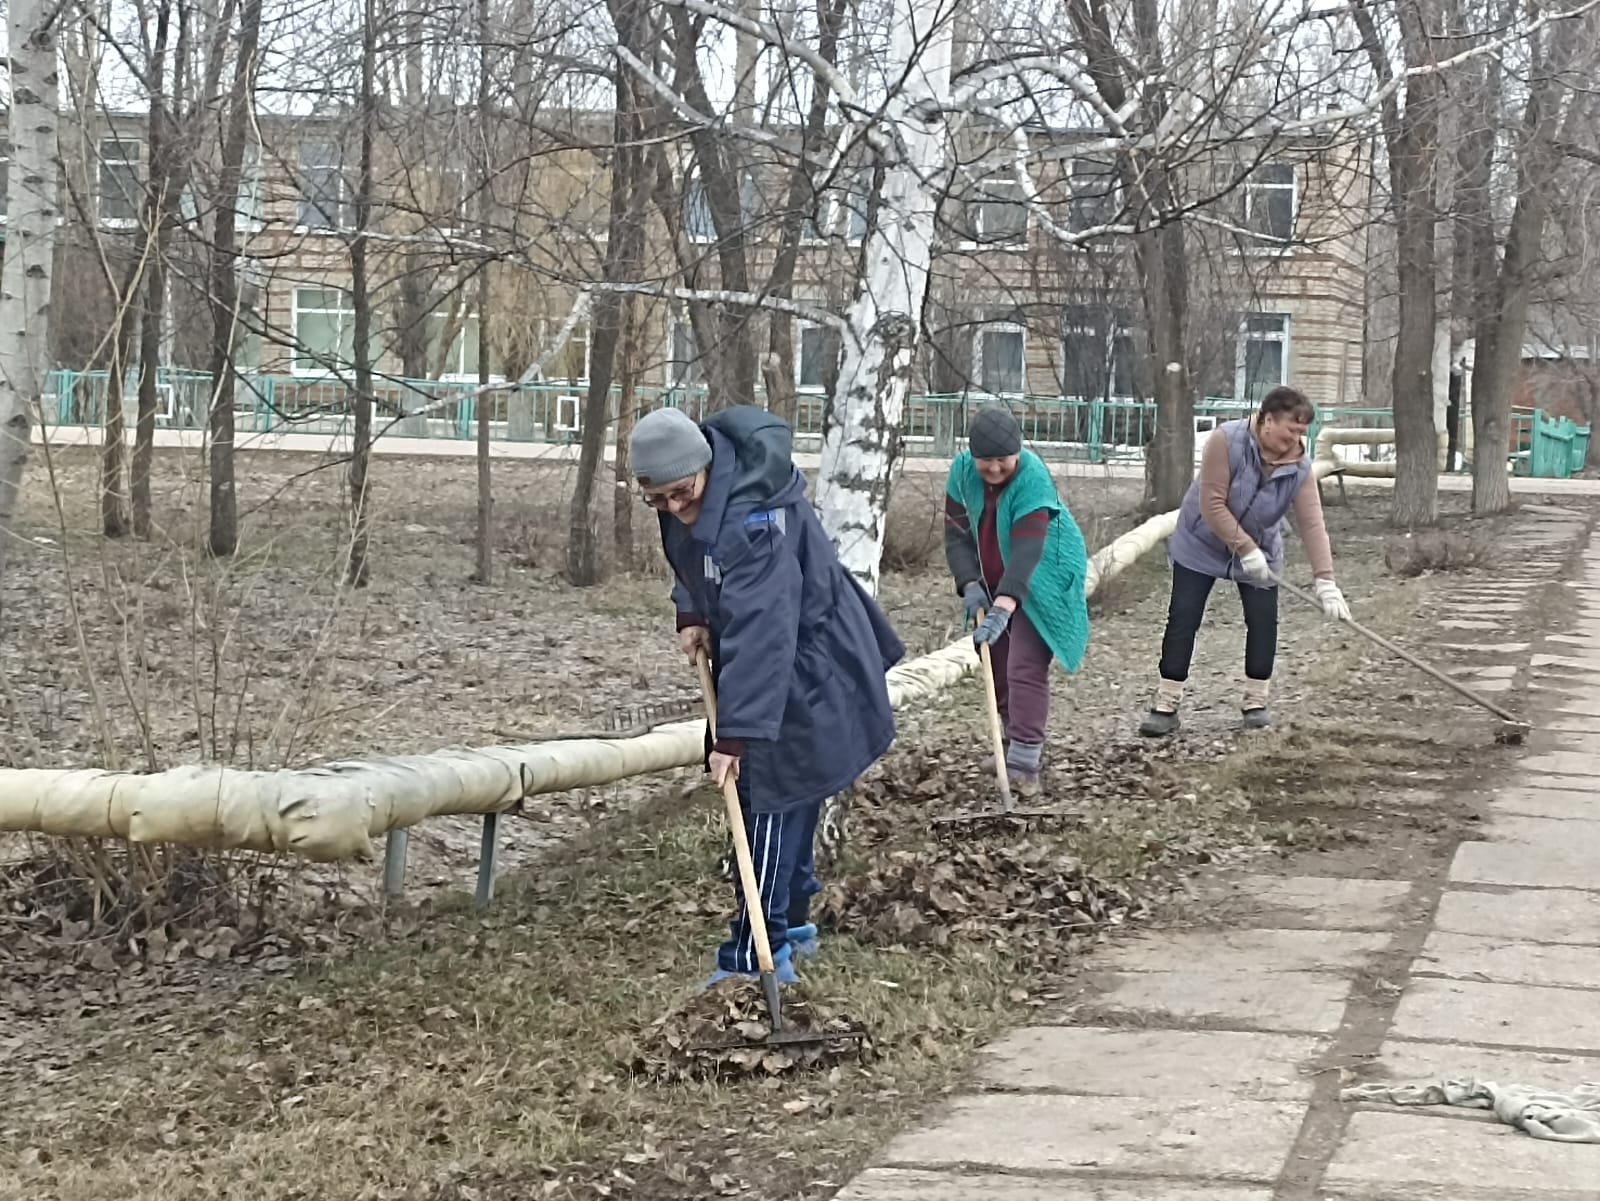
{"type": "Point", "coordinates": [1549, 915]}
{"type": "Point", "coordinates": [1489, 671]}
{"type": "Point", "coordinates": [1588, 785]}
{"type": "Point", "coordinates": [1399, 1148]}
{"type": "Point", "coordinates": [1309, 1002]}
{"type": "Point", "coordinates": [1213, 1138]}
{"type": "Point", "coordinates": [1532, 852]}
{"type": "Point", "coordinates": [1323, 902]}
{"type": "Point", "coordinates": [1243, 951]}
{"type": "Point", "coordinates": [1115, 1062]}
{"type": "Point", "coordinates": [1573, 805]}
{"type": "Point", "coordinates": [903, 1184]}
{"type": "Point", "coordinates": [1402, 1061]}
{"type": "Point", "coordinates": [1506, 1015]}
{"type": "Point", "coordinates": [1588, 663]}
{"type": "Point", "coordinates": [1486, 648]}
{"type": "Point", "coordinates": [1475, 956]}
{"type": "Point", "coordinates": [1560, 763]}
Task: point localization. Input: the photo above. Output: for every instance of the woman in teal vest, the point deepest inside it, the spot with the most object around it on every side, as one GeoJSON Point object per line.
{"type": "Point", "coordinates": [1015, 551]}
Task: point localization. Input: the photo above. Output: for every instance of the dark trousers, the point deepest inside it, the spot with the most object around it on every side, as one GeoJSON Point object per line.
{"type": "Point", "coordinates": [781, 847]}
{"type": "Point", "coordinates": [1190, 590]}
{"type": "Point", "coordinates": [1021, 664]}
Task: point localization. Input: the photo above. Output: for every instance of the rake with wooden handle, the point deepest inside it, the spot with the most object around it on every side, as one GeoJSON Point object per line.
{"type": "Point", "coordinates": [1515, 728]}
{"type": "Point", "coordinates": [780, 1034]}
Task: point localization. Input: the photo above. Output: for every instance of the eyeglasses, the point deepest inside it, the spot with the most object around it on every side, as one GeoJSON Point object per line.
{"type": "Point", "coordinates": [681, 495]}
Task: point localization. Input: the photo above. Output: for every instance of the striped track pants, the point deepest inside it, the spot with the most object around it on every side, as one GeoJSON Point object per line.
{"type": "Point", "coordinates": [781, 848]}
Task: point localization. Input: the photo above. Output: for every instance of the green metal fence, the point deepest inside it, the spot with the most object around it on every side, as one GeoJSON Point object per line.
{"type": "Point", "coordinates": [1057, 427]}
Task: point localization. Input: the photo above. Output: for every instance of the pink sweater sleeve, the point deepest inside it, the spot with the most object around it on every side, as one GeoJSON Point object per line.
{"type": "Point", "coordinates": [1313, 530]}
{"type": "Point", "coordinates": [1215, 479]}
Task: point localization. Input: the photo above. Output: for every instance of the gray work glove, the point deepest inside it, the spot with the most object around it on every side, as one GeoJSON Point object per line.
{"type": "Point", "coordinates": [974, 596]}
{"type": "Point", "coordinates": [994, 624]}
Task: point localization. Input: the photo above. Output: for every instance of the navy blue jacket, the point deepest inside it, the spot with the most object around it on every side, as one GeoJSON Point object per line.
{"type": "Point", "coordinates": [799, 650]}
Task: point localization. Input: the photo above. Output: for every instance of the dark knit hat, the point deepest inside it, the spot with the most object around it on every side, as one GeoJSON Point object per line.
{"type": "Point", "coordinates": [667, 446]}
{"type": "Point", "coordinates": [994, 434]}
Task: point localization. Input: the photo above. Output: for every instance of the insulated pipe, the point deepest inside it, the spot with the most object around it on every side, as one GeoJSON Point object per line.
{"type": "Point", "coordinates": [333, 812]}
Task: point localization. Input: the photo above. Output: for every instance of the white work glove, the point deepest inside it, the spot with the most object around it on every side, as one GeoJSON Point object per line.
{"type": "Point", "coordinates": [1256, 567]}
{"type": "Point", "coordinates": [1331, 600]}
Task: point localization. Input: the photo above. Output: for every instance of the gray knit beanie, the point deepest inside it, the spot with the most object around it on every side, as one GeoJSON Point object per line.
{"type": "Point", "coordinates": [995, 434]}
{"type": "Point", "coordinates": [667, 445]}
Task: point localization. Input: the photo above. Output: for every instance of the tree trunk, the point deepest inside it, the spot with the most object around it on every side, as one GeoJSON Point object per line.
{"type": "Point", "coordinates": [1164, 274]}
{"type": "Point", "coordinates": [485, 534]}
{"type": "Point", "coordinates": [114, 445]}
{"type": "Point", "coordinates": [623, 257]}
{"type": "Point", "coordinates": [30, 245]}
{"type": "Point", "coordinates": [623, 495]}
{"type": "Point", "coordinates": [153, 305]}
{"type": "Point", "coordinates": [224, 538]}
{"type": "Point", "coordinates": [861, 424]}
{"type": "Point", "coordinates": [1497, 355]}
{"type": "Point", "coordinates": [361, 303]}
{"type": "Point", "coordinates": [1413, 153]}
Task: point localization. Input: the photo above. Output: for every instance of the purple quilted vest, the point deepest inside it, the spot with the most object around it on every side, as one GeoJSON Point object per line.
{"type": "Point", "coordinates": [1259, 504]}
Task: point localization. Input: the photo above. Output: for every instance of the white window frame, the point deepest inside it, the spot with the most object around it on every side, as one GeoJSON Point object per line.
{"type": "Point", "coordinates": [683, 373]}
{"type": "Point", "coordinates": [580, 334]}
{"type": "Point", "coordinates": [979, 203]}
{"type": "Point", "coordinates": [1108, 350]}
{"type": "Point", "coordinates": [706, 236]}
{"type": "Point", "coordinates": [801, 326]}
{"type": "Point", "coordinates": [1256, 192]}
{"type": "Point", "coordinates": [454, 367]}
{"type": "Point", "coordinates": [997, 327]}
{"type": "Point", "coordinates": [1283, 335]}
{"type": "Point", "coordinates": [103, 163]}
{"type": "Point", "coordinates": [346, 311]}
{"type": "Point", "coordinates": [250, 209]}
{"type": "Point", "coordinates": [344, 203]}
{"type": "Point", "coordinates": [1112, 201]}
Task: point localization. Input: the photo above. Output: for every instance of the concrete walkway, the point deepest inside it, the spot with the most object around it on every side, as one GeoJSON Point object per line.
{"type": "Point", "coordinates": [1211, 1063]}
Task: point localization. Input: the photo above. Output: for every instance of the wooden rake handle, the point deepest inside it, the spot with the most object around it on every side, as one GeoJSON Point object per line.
{"type": "Point", "coordinates": [1427, 669]}
{"type": "Point", "coordinates": [996, 730]}
{"type": "Point", "coordinates": [741, 840]}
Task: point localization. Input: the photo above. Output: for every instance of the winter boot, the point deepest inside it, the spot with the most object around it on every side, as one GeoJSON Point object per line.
{"type": "Point", "coordinates": [1162, 720]}
{"type": "Point", "coordinates": [1256, 714]}
{"type": "Point", "coordinates": [782, 965]}
{"type": "Point", "coordinates": [1022, 766]}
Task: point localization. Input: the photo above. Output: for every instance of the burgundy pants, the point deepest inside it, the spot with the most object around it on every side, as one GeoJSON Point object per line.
{"type": "Point", "coordinates": [1021, 664]}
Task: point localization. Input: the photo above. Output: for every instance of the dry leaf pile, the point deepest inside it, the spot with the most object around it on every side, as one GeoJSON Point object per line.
{"type": "Point", "coordinates": [711, 1034]}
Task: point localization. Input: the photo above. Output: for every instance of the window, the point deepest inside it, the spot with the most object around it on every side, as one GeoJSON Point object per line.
{"type": "Point", "coordinates": [1097, 353]}
{"type": "Point", "coordinates": [458, 358]}
{"type": "Point", "coordinates": [325, 201]}
{"type": "Point", "coordinates": [844, 209]}
{"type": "Point", "coordinates": [1094, 200]}
{"type": "Point", "coordinates": [999, 359]}
{"type": "Point", "coordinates": [683, 357]}
{"type": "Point", "coordinates": [324, 331]}
{"type": "Point", "coordinates": [456, 198]}
{"type": "Point", "coordinates": [571, 361]}
{"type": "Point", "coordinates": [1261, 360]}
{"type": "Point", "coordinates": [250, 211]}
{"type": "Point", "coordinates": [996, 215]}
{"type": "Point", "coordinates": [697, 222]}
{"type": "Point", "coordinates": [1269, 201]}
{"type": "Point", "coordinates": [5, 177]}
{"type": "Point", "coordinates": [812, 350]}
{"type": "Point", "coordinates": [119, 185]}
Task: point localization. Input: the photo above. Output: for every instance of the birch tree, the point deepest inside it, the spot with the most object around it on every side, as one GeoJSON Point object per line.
{"type": "Point", "coordinates": [25, 277]}
{"type": "Point", "coordinates": [861, 423]}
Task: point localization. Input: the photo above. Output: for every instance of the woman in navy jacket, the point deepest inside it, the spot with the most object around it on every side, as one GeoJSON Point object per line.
{"type": "Point", "coordinates": [798, 649]}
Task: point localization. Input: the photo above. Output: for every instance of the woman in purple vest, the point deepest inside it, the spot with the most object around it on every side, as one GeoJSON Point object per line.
{"type": "Point", "coordinates": [1253, 474]}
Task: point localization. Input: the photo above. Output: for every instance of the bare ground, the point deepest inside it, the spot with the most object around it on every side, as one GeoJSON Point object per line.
{"type": "Point", "coordinates": [328, 1048]}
